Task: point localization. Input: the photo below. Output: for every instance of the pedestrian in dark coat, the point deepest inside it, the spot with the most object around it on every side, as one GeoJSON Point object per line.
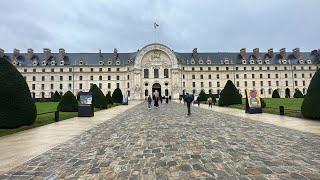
{"type": "Point", "coordinates": [188, 99]}
{"type": "Point", "coordinates": [149, 102]}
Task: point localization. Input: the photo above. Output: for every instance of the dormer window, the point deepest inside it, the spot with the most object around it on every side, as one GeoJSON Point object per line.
{"type": "Point", "coordinates": [226, 61]}
{"type": "Point", "coordinates": [192, 61]}
{"type": "Point", "coordinates": [15, 63]}
{"type": "Point", "coordinates": [267, 61]}
{"type": "Point", "coordinates": [101, 63]}
{"type": "Point", "coordinates": [208, 61]}
{"type": "Point", "coordinates": [61, 63]}
{"type": "Point", "coordinates": [81, 62]}
{"type": "Point", "coordinates": [259, 61]}
{"type": "Point", "coordinates": [118, 63]}
{"type": "Point", "coordinates": [301, 61]}
{"type": "Point", "coordinates": [109, 62]}
{"type": "Point", "coordinates": [251, 61]}
{"type": "Point", "coordinates": [35, 63]}
{"type": "Point", "coordinates": [53, 63]}
{"type": "Point", "coordinates": [44, 63]}
{"type": "Point", "coordinates": [309, 61]}
{"type": "Point", "coordinates": [244, 62]}
{"type": "Point", "coordinates": [284, 61]}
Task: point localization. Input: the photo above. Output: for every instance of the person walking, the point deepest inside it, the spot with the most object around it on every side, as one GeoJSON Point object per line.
{"type": "Point", "coordinates": [198, 100]}
{"type": "Point", "coordinates": [210, 102]}
{"type": "Point", "coordinates": [188, 99]}
{"type": "Point", "coordinates": [149, 102]}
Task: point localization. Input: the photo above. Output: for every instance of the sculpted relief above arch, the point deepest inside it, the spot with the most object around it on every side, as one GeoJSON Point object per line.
{"type": "Point", "coordinates": [156, 55]}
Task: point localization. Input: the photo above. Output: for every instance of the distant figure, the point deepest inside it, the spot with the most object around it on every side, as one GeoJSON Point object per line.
{"type": "Point", "coordinates": [188, 98]}
{"type": "Point", "coordinates": [156, 99]}
{"type": "Point", "coordinates": [180, 98]}
{"type": "Point", "coordinates": [161, 99]}
{"type": "Point", "coordinates": [149, 102]}
{"type": "Point", "coordinates": [198, 100]}
{"type": "Point", "coordinates": [210, 102]}
{"type": "Point", "coordinates": [167, 99]}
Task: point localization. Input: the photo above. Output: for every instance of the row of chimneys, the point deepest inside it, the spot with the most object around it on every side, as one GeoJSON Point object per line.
{"type": "Point", "coordinates": [296, 52]}
{"type": "Point", "coordinates": [46, 52]}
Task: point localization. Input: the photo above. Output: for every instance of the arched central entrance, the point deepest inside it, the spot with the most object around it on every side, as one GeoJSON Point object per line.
{"type": "Point", "coordinates": [156, 87]}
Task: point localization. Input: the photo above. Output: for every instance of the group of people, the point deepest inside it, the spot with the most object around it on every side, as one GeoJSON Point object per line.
{"type": "Point", "coordinates": [156, 98]}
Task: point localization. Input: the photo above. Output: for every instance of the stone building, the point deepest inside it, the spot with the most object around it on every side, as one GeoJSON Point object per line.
{"type": "Point", "coordinates": [157, 67]}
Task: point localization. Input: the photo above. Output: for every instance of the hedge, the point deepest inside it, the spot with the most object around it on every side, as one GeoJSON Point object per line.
{"type": "Point", "coordinates": [98, 98]}
{"type": "Point", "coordinates": [68, 103]}
{"type": "Point", "coordinates": [117, 96]}
{"type": "Point", "coordinates": [229, 95]}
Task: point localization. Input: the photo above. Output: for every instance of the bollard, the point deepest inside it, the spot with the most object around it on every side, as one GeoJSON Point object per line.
{"type": "Point", "coordinates": [281, 110]}
{"type": "Point", "coordinates": [56, 116]}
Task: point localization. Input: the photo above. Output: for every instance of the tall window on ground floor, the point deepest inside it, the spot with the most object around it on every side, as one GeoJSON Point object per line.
{"type": "Point", "coordinates": [146, 73]}
{"type": "Point", "coordinates": [166, 73]}
{"type": "Point", "coordinates": [146, 93]}
{"type": "Point", "coordinates": [156, 73]}
{"type": "Point", "coordinates": [166, 92]}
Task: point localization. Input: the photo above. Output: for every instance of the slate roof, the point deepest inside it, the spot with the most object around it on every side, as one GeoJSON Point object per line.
{"type": "Point", "coordinates": [184, 58]}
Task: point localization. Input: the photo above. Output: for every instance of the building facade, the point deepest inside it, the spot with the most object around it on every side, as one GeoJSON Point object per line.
{"type": "Point", "coordinates": [157, 67]}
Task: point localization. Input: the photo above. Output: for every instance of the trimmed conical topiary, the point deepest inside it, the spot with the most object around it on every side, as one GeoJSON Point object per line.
{"type": "Point", "coordinates": [298, 94]}
{"type": "Point", "coordinates": [109, 98]}
{"type": "Point", "coordinates": [229, 95]}
{"type": "Point", "coordinates": [98, 98]}
{"type": "Point", "coordinates": [17, 107]}
{"type": "Point", "coordinates": [56, 97]}
{"type": "Point", "coordinates": [203, 96]}
{"type": "Point", "coordinates": [275, 94]}
{"type": "Point", "coordinates": [310, 107]}
{"type": "Point", "coordinates": [68, 103]}
{"type": "Point", "coordinates": [117, 96]}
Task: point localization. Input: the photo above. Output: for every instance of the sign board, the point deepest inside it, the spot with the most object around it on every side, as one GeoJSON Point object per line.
{"type": "Point", "coordinates": [85, 105]}
{"type": "Point", "coordinates": [253, 101]}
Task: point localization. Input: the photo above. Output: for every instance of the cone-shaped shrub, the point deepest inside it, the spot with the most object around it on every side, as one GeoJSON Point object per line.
{"type": "Point", "coordinates": [117, 96]}
{"type": "Point", "coordinates": [109, 98]}
{"type": "Point", "coordinates": [56, 97]}
{"type": "Point", "coordinates": [17, 107]}
{"type": "Point", "coordinates": [275, 94]}
{"type": "Point", "coordinates": [298, 94]}
{"type": "Point", "coordinates": [310, 107]}
{"type": "Point", "coordinates": [68, 103]}
{"type": "Point", "coordinates": [98, 98]}
{"type": "Point", "coordinates": [229, 95]}
{"type": "Point", "coordinates": [203, 96]}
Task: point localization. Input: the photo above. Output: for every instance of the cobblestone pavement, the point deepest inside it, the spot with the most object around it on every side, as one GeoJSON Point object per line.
{"type": "Point", "coordinates": [164, 143]}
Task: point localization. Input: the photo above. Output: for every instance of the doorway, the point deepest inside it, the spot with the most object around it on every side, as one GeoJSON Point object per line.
{"type": "Point", "coordinates": [156, 87]}
{"type": "Point", "coordinates": [287, 93]}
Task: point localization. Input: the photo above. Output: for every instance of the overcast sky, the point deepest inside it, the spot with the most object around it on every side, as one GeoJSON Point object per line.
{"type": "Point", "coordinates": [209, 25]}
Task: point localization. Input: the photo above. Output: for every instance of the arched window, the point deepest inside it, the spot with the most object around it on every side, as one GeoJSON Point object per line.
{"type": "Point", "coordinates": [146, 73]}
{"type": "Point", "coordinates": [261, 91]}
{"type": "Point", "coordinates": [156, 73]}
{"type": "Point", "coordinates": [42, 95]}
{"type": "Point", "coordinates": [210, 91]}
{"type": "Point", "coordinates": [166, 92]}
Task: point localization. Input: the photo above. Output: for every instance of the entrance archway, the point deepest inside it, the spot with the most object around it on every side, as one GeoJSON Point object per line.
{"type": "Point", "coordinates": [156, 87]}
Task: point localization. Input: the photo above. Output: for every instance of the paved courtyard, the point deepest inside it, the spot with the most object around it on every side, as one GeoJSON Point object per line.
{"type": "Point", "coordinates": [164, 143]}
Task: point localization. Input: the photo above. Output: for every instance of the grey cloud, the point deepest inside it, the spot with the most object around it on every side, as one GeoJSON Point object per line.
{"type": "Point", "coordinates": [210, 25]}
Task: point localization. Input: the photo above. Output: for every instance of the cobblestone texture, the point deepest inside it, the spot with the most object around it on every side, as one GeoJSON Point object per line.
{"type": "Point", "coordinates": [164, 143]}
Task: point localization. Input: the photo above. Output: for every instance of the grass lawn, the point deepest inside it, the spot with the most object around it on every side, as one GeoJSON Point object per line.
{"type": "Point", "coordinates": [292, 106]}
{"type": "Point", "coordinates": [44, 119]}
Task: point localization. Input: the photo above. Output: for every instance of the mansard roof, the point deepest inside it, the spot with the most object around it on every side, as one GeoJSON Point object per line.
{"type": "Point", "coordinates": [183, 58]}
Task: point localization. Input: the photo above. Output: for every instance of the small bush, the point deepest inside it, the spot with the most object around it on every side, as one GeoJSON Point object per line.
{"type": "Point", "coordinates": [275, 94]}
{"type": "Point", "coordinates": [117, 96]}
{"type": "Point", "coordinates": [229, 95]}
{"type": "Point", "coordinates": [310, 106]}
{"type": "Point", "coordinates": [263, 103]}
{"type": "Point", "coordinates": [298, 94]}
{"type": "Point", "coordinates": [98, 98]}
{"type": "Point", "coordinates": [203, 96]}
{"type": "Point", "coordinates": [68, 103]}
{"type": "Point", "coordinates": [109, 98]}
{"type": "Point", "coordinates": [17, 108]}
{"type": "Point", "coordinates": [56, 97]}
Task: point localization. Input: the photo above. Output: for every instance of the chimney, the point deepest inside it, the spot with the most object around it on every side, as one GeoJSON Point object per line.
{"type": "Point", "coordinates": [1, 53]}
{"type": "Point", "coordinates": [16, 52]}
{"type": "Point", "coordinates": [46, 53]}
{"type": "Point", "coordinates": [30, 53]}
{"type": "Point", "coordinates": [270, 52]}
{"type": "Point", "coordinates": [243, 53]}
{"type": "Point", "coordinates": [256, 53]}
{"type": "Point", "coordinates": [283, 52]}
{"type": "Point", "coordinates": [62, 53]}
{"type": "Point", "coordinates": [296, 53]}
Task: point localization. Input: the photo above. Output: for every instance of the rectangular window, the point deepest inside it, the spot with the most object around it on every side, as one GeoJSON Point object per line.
{"type": "Point", "coordinates": [118, 69]}
{"type": "Point", "coordinates": [210, 84]}
{"type": "Point", "coordinates": [303, 83]}
{"type": "Point", "coordinates": [51, 86]}
{"type": "Point", "coordinates": [43, 70]}
{"type": "Point", "coordinates": [34, 70]}
{"type": "Point", "coordinates": [287, 83]}
{"type": "Point", "coordinates": [268, 76]}
{"type": "Point", "coordinates": [277, 83]}
{"type": "Point", "coordinates": [61, 70]}
{"type": "Point", "coordinates": [42, 78]}
{"type": "Point", "coordinates": [118, 85]}
{"type": "Point", "coordinates": [245, 76]}
{"type": "Point", "coordinates": [70, 78]}
{"type": "Point", "coordinates": [81, 69]}
{"type": "Point", "coordinates": [261, 83]}
{"type": "Point", "coordinates": [33, 78]}
{"type": "Point", "coordinates": [245, 84]}
{"type": "Point", "coordinates": [118, 78]}
{"type": "Point", "coordinates": [42, 86]}
{"type": "Point", "coordinates": [109, 85]}
{"type": "Point", "coordinates": [100, 78]}
{"type": "Point", "coordinates": [128, 85]}
{"type": "Point", "coordinates": [261, 76]}
{"type": "Point", "coordinates": [91, 78]}
{"type": "Point", "coordinates": [52, 70]}
{"type": "Point", "coordinates": [33, 86]}
{"type": "Point", "coordinates": [238, 84]}
{"type": "Point", "coordinates": [218, 84]}
{"type": "Point", "coordinates": [61, 86]}
{"type": "Point", "coordinates": [109, 69]}
{"type": "Point", "coordinates": [146, 73]}
{"type": "Point", "coordinates": [218, 76]}
{"type": "Point", "coordinates": [193, 84]}
{"type": "Point", "coordinates": [70, 69]}
{"type": "Point", "coordinates": [69, 86]}
{"type": "Point", "coordinates": [100, 85]}
{"type": "Point", "coordinates": [91, 69]}
{"type": "Point", "coordinates": [156, 73]}
{"type": "Point", "coordinates": [100, 69]}
{"type": "Point", "coordinates": [269, 83]}
{"type": "Point", "coordinates": [252, 75]}
{"type": "Point", "coordinates": [61, 78]}
{"type": "Point", "coordinates": [201, 84]}
{"type": "Point", "coordinates": [80, 86]}
{"type": "Point", "coordinates": [25, 70]}
{"type": "Point", "coordinates": [253, 83]}
{"type": "Point", "coordinates": [296, 83]}
{"type": "Point", "coordinates": [237, 76]}
{"type": "Point", "coordinates": [80, 78]}
{"type": "Point", "coordinates": [166, 73]}
{"type": "Point", "coordinates": [52, 78]}
{"type": "Point", "coordinates": [227, 76]}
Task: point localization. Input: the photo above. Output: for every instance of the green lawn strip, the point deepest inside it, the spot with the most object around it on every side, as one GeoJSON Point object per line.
{"type": "Point", "coordinates": [292, 106]}
{"type": "Point", "coordinates": [45, 119]}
